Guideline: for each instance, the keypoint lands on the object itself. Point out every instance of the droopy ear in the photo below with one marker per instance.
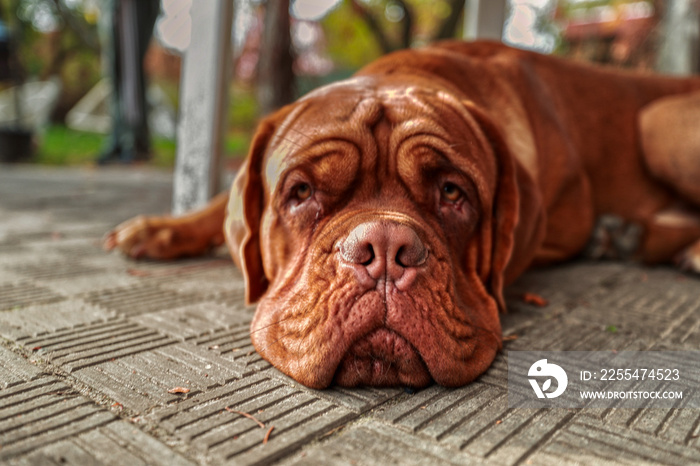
(506, 206)
(245, 209)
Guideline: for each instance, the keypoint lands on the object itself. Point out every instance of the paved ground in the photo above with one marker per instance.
(92, 345)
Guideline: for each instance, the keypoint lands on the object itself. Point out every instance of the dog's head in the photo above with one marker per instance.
(373, 221)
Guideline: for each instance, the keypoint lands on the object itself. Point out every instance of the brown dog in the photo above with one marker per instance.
(378, 219)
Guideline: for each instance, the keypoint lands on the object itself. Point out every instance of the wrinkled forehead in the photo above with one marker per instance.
(348, 111)
(348, 108)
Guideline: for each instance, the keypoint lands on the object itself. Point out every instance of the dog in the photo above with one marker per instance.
(377, 220)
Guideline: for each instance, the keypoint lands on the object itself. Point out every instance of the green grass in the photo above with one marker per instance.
(60, 145)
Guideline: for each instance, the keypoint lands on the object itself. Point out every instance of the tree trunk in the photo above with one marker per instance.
(275, 73)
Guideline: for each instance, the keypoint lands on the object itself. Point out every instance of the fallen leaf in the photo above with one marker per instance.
(535, 299)
(510, 337)
(118, 406)
(267, 435)
(498, 421)
(179, 390)
(249, 416)
(36, 348)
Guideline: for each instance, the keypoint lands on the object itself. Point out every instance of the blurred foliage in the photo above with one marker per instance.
(60, 37)
(351, 29)
(348, 39)
(55, 37)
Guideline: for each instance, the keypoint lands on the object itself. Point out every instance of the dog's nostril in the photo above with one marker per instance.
(370, 250)
(397, 259)
(411, 255)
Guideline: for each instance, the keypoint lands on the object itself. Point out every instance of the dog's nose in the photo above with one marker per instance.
(384, 249)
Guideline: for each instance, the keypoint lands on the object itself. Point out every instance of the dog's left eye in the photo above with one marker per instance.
(302, 191)
(450, 192)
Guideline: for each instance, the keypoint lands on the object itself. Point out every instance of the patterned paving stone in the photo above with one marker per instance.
(222, 434)
(114, 443)
(134, 300)
(44, 411)
(124, 333)
(372, 443)
(26, 322)
(22, 294)
(197, 322)
(608, 443)
(94, 343)
(233, 344)
(14, 369)
(143, 381)
(54, 270)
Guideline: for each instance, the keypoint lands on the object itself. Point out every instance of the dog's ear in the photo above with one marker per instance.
(504, 215)
(245, 210)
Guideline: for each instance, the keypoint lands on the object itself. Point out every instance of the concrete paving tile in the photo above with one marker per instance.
(372, 443)
(61, 269)
(221, 435)
(521, 436)
(132, 443)
(194, 363)
(215, 400)
(142, 381)
(91, 344)
(563, 284)
(555, 335)
(291, 430)
(28, 392)
(14, 369)
(471, 420)
(101, 280)
(133, 393)
(105, 318)
(25, 293)
(134, 300)
(63, 452)
(358, 400)
(24, 323)
(643, 299)
(588, 439)
(220, 276)
(213, 426)
(234, 345)
(32, 422)
(119, 439)
(196, 321)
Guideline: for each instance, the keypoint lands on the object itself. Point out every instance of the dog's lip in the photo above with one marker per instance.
(382, 357)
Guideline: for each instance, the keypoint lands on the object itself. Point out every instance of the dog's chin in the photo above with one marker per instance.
(382, 358)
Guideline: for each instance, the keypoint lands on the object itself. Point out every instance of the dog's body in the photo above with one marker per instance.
(378, 219)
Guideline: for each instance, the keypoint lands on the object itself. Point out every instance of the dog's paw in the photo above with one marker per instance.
(688, 260)
(151, 237)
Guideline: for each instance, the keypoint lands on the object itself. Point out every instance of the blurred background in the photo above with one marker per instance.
(57, 96)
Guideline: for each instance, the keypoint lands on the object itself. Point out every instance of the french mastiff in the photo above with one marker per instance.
(377, 220)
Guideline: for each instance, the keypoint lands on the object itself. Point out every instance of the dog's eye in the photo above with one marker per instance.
(450, 192)
(302, 191)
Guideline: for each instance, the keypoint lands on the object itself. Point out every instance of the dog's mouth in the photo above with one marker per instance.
(382, 358)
